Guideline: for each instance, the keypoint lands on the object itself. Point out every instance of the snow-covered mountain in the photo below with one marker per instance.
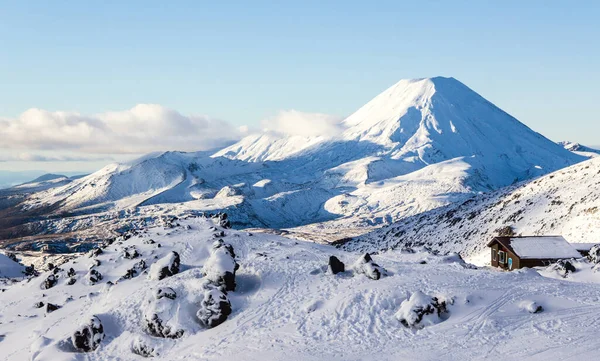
(580, 149)
(566, 202)
(419, 145)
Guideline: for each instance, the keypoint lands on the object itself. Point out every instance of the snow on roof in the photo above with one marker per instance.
(551, 247)
(583, 246)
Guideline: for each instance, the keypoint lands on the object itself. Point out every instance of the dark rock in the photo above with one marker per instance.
(167, 266)
(71, 272)
(130, 253)
(156, 327)
(143, 349)
(335, 265)
(30, 271)
(71, 281)
(94, 276)
(95, 252)
(13, 257)
(39, 304)
(51, 307)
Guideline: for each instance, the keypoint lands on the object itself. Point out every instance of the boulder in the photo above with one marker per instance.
(167, 292)
(94, 276)
(221, 266)
(594, 254)
(366, 266)
(214, 308)
(335, 265)
(165, 267)
(49, 282)
(88, 336)
(421, 310)
(51, 307)
(161, 316)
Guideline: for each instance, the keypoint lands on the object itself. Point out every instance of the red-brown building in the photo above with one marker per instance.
(511, 253)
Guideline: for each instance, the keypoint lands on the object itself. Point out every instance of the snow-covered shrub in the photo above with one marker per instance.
(71, 281)
(223, 220)
(594, 254)
(531, 307)
(71, 272)
(143, 347)
(563, 267)
(366, 266)
(221, 266)
(95, 252)
(130, 253)
(161, 318)
(30, 271)
(215, 306)
(94, 276)
(335, 265)
(421, 310)
(167, 292)
(134, 271)
(88, 336)
(39, 304)
(165, 267)
(49, 282)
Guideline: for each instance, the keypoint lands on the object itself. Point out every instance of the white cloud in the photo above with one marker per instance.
(141, 129)
(293, 122)
(29, 157)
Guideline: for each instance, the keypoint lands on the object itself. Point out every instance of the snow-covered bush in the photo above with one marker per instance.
(335, 265)
(130, 253)
(167, 292)
(215, 306)
(134, 271)
(95, 252)
(165, 267)
(594, 254)
(94, 276)
(161, 318)
(143, 347)
(88, 336)
(421, 310)
(49, 282)
(221, 266)
(366, 266)
(563, 267)
(71, 272)
(531, 307)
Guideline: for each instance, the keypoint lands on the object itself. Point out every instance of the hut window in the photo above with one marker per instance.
(501, 255)
(494, 255)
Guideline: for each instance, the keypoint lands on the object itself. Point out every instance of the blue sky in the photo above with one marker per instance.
(242, 61)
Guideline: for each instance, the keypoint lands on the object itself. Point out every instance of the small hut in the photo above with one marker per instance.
(511, 253)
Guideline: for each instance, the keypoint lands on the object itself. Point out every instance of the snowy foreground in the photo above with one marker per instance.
(288, 306)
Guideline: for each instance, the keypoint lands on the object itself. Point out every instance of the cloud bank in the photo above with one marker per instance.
(141, 129)
(293, 122)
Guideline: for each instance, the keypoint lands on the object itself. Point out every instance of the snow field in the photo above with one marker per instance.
(286, 306)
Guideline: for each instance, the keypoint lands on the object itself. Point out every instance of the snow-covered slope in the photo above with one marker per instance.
(566, 202)
(580, 149)
(288, 306)
(420, 144)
